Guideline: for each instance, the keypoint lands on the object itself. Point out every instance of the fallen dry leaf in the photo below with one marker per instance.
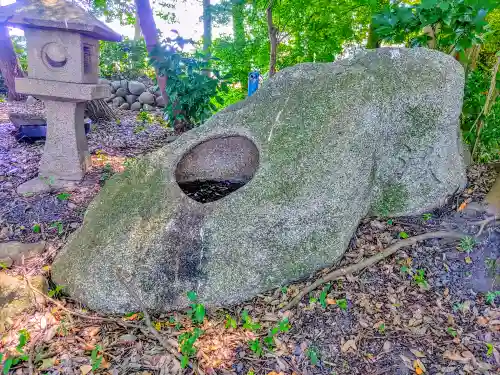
(458, 357)
(85, 369)
(417, 354)
(348, 345)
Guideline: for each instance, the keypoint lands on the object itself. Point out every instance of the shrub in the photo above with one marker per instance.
(190, 89)
(127, 59)
(476, 90)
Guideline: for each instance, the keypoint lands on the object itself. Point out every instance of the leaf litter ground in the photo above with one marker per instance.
(420, 311)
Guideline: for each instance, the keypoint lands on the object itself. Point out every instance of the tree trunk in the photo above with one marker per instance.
(490, 100)
(273, 39)
(148, 28)
(237, 16)
(372, 41)
(9, 65)
(137, 28)
(207, 27)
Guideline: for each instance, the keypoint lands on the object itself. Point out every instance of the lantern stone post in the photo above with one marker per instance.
(63, 66)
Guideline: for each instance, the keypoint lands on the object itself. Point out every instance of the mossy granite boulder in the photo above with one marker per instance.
(319, 147)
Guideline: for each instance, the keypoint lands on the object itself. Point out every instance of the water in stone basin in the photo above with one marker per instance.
(205, 191)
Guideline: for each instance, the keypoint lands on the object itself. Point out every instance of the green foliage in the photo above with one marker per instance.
(11, 361)
(19, 44)
(456, 24)
(36, 228)
(55, 292)
(489, 349)
(420, 279)
(313, 355)
(230, 322)
(476, 91)
(467, 244)
(324, 294)
(381, 328)
(490, 297)
(127, 59)
(248, 323)
(57, 225)
(63, 196)
(256, 347)
(452, 332)
(426, 217)
(342, 304)
(192, 85)
(107, 172)
(197, 310)
(96, 357)
(403, 235)
(186, 345)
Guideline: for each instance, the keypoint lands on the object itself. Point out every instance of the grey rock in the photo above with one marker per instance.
(147, 98)
(321, 145)
(136, 106)
(110, 98)
(131, 99)
(118, 101)
(148, 107)
(14, 252)
(125, 106)
(121, 92)
(104, 81)
(124, 84)
(160, 102)
(30, 100)
(136, 88)
(115, 85)
(171, 138)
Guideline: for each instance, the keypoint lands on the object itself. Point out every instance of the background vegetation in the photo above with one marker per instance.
(270, 35)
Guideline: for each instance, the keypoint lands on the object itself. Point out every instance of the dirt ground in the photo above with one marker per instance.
(429, 309)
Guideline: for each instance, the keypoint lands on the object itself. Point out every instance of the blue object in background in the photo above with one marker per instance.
(253, 82)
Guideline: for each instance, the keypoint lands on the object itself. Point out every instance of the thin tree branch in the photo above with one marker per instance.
(336, 274)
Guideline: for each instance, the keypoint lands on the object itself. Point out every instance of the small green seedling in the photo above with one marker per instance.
(452, 332)
(36, 228)
(313, 355)
(342, 304)
(3, 266)
(186, 345)
(56, 292)
(489, 349)
(59, 226)
(381, 328)
(230, 322)
(490, 297)
(419, 278)
(96, 357)
(256, 347)
(467, 244)
(390, 222)
(197, 311)
(284, 290)
(324, 294)
(426, 217)
(248, 323)
(403, 235)
(405, 269)
(63, 196)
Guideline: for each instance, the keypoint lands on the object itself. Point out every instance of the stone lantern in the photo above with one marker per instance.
(63, 60)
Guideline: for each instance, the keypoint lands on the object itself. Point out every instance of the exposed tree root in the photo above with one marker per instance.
(150, 331)
(336, 274)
